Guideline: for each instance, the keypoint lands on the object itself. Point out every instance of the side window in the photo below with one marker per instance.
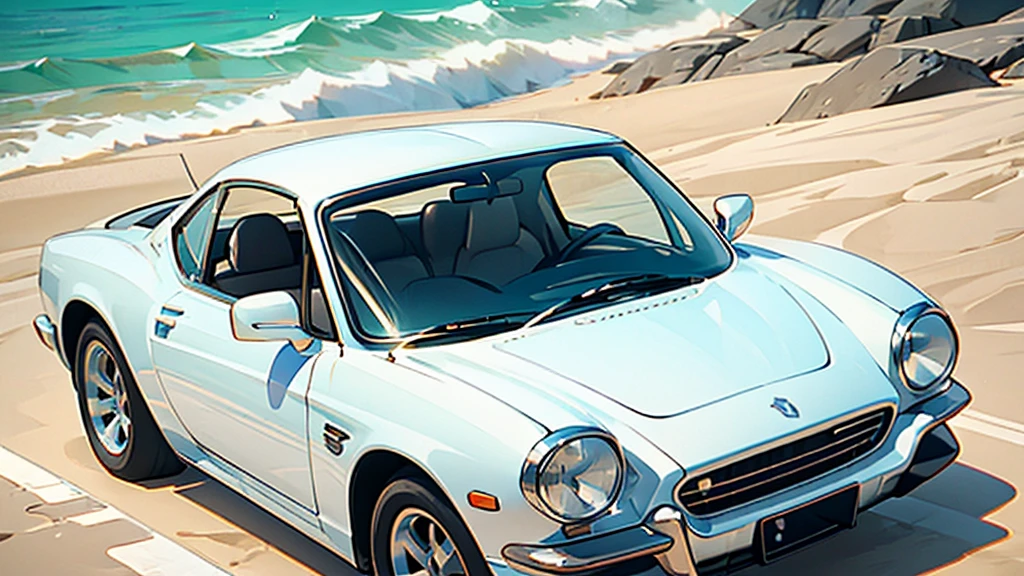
(597, 189)
(192, 239)
(246, 200)
(255, 243)
(262, 250)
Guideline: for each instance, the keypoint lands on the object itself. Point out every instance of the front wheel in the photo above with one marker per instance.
(415, 531)
(121, 431)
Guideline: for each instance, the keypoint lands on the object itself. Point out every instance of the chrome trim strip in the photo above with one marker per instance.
(899, 335)
(589, 554)
(529, 479)
(678, 559)
(805, 466)
(783, 463)
(807, 432)
(857, 422)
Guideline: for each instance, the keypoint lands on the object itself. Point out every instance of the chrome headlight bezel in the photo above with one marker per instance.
(543, 452)
(900, 334)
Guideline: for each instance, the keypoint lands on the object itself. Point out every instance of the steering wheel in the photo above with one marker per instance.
(577, 243)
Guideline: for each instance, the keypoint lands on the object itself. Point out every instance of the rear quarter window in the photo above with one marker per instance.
(191, 241)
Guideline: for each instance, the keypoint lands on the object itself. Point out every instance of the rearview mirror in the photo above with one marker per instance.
(735, 212)
(475, 192)
(268, 317)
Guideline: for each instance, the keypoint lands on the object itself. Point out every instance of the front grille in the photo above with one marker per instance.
(775, 470)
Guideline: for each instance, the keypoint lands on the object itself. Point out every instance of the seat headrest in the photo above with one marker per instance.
(494, 225)
(259, 242)
(443, 227)
(376, 234)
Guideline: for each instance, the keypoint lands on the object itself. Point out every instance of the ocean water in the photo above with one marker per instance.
(79, 77)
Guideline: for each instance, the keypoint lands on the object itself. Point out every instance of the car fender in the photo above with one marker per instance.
(865, 296)
(111, 272)
(461, 437)
(870, 278)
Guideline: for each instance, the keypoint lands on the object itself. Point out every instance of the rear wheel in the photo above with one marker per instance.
(416, 532)
(121, 431)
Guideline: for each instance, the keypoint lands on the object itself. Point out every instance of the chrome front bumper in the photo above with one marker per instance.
(46, 331)
(919, 446)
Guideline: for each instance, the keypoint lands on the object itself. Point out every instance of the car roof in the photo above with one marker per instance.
(316, 169)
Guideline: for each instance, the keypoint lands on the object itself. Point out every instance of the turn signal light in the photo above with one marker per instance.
(483, 501)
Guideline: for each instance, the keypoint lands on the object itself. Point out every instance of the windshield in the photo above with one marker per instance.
(511, 238)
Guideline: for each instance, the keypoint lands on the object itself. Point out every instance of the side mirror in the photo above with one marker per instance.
(735, 213)
(267, 317)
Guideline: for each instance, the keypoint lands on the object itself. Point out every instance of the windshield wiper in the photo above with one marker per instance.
(471, 324)
(618, 289)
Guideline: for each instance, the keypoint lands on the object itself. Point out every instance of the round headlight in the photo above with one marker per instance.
(925, 347)
(574, 474)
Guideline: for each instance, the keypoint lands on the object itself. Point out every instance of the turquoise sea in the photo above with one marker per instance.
(84, 76)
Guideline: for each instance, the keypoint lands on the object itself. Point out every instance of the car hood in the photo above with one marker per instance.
(676, 352)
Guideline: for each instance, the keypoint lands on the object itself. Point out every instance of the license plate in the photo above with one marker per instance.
(809, 523)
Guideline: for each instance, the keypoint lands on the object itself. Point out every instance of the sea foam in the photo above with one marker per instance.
(470, 74)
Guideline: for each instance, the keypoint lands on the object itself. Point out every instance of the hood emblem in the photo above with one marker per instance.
(786, 408)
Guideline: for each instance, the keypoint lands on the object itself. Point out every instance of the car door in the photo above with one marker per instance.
(243, 401)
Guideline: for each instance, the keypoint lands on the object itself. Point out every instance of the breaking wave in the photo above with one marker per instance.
(324, 67)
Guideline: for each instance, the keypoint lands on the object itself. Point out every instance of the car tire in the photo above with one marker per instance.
(406, 509)
(132, 448)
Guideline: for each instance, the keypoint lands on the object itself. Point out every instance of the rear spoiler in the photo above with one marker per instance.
(147, 216)
(150, 215)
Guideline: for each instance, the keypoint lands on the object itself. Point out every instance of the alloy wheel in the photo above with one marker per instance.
(106, 399)
(420, 546)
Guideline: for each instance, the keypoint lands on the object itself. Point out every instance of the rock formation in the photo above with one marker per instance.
(885, 76)
(896, 50)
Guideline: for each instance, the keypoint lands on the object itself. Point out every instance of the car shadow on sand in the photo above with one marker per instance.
(938, 524)
(222, 501)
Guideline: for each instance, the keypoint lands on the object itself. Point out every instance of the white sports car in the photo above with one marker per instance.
(500, 348)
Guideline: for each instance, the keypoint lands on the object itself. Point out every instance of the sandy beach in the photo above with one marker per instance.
(931, 189)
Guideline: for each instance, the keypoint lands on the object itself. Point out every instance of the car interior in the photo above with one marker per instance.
(486, 241)
(512, 236)
(261, 257)
(261, 253)
(473, 240)
(490, 241)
